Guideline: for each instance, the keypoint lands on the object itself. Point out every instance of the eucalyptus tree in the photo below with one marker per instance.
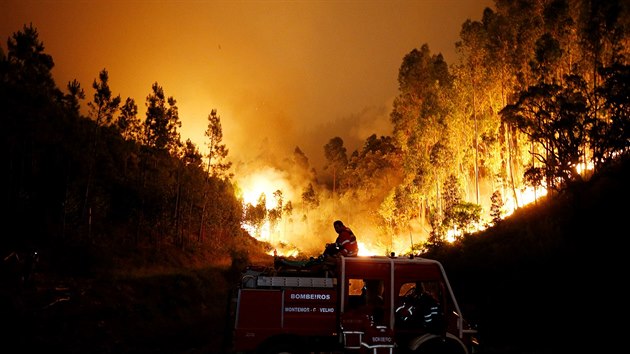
(288, 210)
(300, 159)
(300, 166)
(560, 18)
(501, 63)
(496, 207)
(255, 215)
(603, 37)
(370, 176)
(501, 49)
(553, 117)
(275, 213)
(310, 200)
(473, 35)
(611, 138)
(396, 212)
(451, 197)
(336, 160)
(374, 169)
(420, 117)
(602, 27)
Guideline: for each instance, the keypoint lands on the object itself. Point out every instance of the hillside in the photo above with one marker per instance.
(549, 277)
(147, 302)
(536, 283)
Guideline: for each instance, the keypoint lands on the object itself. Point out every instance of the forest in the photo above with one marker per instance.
(538, 100)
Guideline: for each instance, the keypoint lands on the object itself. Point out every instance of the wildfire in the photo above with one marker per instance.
(365, 250)
(260, 183)
(263, 183)
(275, 188)
(525, 196)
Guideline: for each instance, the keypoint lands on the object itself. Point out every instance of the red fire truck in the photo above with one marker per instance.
(354, 305)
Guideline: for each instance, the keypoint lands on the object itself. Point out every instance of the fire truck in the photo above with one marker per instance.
(360, 305)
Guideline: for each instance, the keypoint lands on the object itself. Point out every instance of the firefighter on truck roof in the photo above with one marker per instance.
(346, 242)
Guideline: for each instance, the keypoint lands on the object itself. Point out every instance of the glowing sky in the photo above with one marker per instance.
(291, 73)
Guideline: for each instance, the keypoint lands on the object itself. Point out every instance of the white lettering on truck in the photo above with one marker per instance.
(308, 309)
(310, 296)
(297, 309)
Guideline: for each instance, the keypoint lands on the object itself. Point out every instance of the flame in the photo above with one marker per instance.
(369, 250)
(268, 181)
(265, 182)
(284, 251)
(525, 196)
(259, 183)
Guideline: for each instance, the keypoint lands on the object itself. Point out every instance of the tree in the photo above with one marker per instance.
(496, 207)
(73, 98)
(216, 150)
(373, 170)
(275, 214)
(128, 123)
(32, 138)
(217, 166)
(288, 212)
(104, 106)
(255, 215)
(102, 110)
(162, 121)
(300, 159)
(310, 199)
(473, 36)
(611, 136)
(459, 216)
(336, 158)
(420, 118)
(553, 117)
(29, 67)
(300, 166)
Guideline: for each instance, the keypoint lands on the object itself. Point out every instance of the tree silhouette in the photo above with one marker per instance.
(162, 121)
(336, 159)
(217, 152)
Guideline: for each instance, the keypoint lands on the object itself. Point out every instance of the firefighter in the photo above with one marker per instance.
(346, 242)
(372, 294)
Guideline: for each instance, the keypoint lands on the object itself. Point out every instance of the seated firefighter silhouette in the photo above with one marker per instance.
(345, 245)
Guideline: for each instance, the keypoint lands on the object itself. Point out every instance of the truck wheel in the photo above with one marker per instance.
(433, 344)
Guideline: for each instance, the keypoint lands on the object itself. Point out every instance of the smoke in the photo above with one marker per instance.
(262, 135)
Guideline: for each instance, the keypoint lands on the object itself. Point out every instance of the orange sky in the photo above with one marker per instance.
(291, 73)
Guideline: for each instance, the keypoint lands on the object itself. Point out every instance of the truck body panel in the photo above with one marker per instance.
(358, 305)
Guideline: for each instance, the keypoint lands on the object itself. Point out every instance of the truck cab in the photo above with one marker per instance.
(355, 305)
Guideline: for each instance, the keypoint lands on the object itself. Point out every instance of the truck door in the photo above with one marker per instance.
(367, 289)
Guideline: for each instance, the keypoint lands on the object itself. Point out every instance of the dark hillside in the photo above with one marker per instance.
(146, 302)
(549, 277)
(545, 280)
